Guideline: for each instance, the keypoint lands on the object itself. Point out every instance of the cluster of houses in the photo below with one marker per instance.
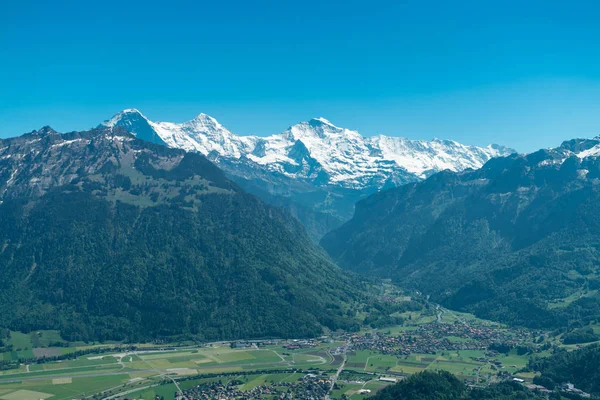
(433, 337)
(254, 344)
(570, 388)
(287, 344)
(309, 387)
(301, 344)
(566, 388)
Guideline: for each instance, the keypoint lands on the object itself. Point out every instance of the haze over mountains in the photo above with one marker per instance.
(314, 168)
(500, 241)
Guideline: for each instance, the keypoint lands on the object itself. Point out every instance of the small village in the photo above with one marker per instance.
(433, 337)
(310, 387)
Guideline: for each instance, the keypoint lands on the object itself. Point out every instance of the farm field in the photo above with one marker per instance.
(144, 371)
(353, 390)
(59, 389)
(147, 369)
(461, 363)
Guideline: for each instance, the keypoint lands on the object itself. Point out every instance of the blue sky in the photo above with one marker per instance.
(525, 74)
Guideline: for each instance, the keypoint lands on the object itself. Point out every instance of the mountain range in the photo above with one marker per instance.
(314, 168)
(516, 241)
(105, 236)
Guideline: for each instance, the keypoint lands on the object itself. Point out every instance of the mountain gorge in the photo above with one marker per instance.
(314, 168)
(105, 236)
(516, 241)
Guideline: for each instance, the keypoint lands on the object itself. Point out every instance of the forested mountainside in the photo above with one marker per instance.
(501, 241)
(580, 367)
(316, 223)
(320, 168)
(319, 209)
(105, 236)
(442, 385)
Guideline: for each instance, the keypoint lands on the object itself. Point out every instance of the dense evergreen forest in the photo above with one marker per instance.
(104, 236)
(500, 242)
(580, 367)
(442, 385)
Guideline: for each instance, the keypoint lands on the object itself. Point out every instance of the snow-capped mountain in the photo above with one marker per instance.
(316, 170)
(316, 151)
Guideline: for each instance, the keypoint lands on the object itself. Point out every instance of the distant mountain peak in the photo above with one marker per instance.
(205, 121)
(131, 111)
(322, 129)
(204, 116)
(133, 121)
(446, 141)
(330, 155)
(321, 120)
(127, 114)
(45, 130)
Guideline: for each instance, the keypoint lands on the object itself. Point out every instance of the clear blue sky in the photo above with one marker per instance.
(521, 73)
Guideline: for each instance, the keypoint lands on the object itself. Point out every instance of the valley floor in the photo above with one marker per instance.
(338, 365)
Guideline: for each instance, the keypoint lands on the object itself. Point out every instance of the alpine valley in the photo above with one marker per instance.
(131, 269)
(349, 220)
(315, 169)
(516, 241)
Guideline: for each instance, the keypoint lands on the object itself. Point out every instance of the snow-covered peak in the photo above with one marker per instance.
(132, 120)
(127, 114)
(206, 124)
(321, 120)
(423, 158)
(131, 111)
(317, 150)
(320, 128)
(202, 133)
(205, 120)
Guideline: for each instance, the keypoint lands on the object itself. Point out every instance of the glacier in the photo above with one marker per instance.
(315, 151)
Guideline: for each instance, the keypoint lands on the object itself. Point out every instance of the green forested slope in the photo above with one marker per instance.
(442, 385)
(580, 367)
(502, 241)
(104, 236)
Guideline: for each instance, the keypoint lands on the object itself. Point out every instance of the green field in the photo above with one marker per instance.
(147, 372)
(459, 362)
(59, 391)
(352, 389)
(147, 369)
